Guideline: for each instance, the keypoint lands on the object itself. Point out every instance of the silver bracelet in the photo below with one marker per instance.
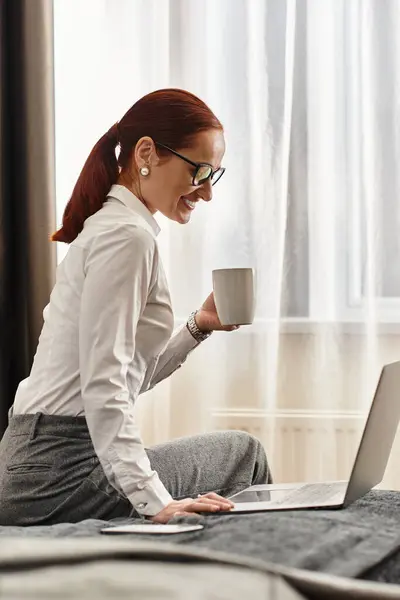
(196, 333)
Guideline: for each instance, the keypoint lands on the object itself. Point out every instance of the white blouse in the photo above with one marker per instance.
(107, 338)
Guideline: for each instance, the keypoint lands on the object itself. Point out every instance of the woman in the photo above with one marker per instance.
(72, 449)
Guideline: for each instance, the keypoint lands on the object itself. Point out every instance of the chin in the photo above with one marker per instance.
(183, 219)
(182, 216)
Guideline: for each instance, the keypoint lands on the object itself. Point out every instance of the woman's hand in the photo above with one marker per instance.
(207, 317)
(208, 503)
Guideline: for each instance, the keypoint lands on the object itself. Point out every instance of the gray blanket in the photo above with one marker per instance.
(89, 568)
(309, 549)
(351, 543)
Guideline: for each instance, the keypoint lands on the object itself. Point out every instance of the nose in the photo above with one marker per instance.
(206, 191)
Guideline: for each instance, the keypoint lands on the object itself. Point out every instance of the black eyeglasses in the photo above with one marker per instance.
(203, 172)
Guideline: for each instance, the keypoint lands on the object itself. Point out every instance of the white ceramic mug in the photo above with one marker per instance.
(234, 295)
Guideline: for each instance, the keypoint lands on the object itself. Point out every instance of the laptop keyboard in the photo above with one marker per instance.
(312, 493)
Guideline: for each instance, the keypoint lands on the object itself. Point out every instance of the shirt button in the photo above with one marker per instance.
(142, 505)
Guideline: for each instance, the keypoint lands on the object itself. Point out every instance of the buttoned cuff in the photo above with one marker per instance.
(151, 499)
(184, 342)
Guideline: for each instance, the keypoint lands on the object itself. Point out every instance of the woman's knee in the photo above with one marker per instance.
(240, 451)
(253, 452)
(246, 440)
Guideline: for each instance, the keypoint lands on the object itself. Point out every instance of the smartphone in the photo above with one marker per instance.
(152, 528)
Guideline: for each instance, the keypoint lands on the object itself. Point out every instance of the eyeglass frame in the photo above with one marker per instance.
(194, 164)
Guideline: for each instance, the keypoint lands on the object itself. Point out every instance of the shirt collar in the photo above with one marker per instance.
(125, 196)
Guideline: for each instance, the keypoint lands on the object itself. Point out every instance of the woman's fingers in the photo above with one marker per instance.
(215, 503)
(204, 507)
(209, 502)
(221, 499)
(207, 505)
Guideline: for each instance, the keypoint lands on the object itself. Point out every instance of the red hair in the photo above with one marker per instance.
(170, 116)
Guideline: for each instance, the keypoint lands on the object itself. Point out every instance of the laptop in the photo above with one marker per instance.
(368, 468)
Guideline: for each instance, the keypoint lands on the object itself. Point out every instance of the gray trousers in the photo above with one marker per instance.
(50, 473)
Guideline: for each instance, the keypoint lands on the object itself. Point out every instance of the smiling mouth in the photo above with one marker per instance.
(189, 203)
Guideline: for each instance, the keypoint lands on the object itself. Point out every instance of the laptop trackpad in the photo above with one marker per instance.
(260, 495)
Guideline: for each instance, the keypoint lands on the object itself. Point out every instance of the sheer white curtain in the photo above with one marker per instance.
(308, 92)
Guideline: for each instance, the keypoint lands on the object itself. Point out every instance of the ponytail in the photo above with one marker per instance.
(99, 173)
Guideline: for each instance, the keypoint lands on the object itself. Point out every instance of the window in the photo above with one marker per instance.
(307, 93)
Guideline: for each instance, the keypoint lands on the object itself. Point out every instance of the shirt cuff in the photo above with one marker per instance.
(183, 341)
(151, 499)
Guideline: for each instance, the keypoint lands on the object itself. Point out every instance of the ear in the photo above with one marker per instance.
(145, 153)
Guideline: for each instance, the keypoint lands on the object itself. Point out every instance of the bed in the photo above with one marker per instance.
(351, 553)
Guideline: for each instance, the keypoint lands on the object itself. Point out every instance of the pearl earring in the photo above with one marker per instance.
(144, 171)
